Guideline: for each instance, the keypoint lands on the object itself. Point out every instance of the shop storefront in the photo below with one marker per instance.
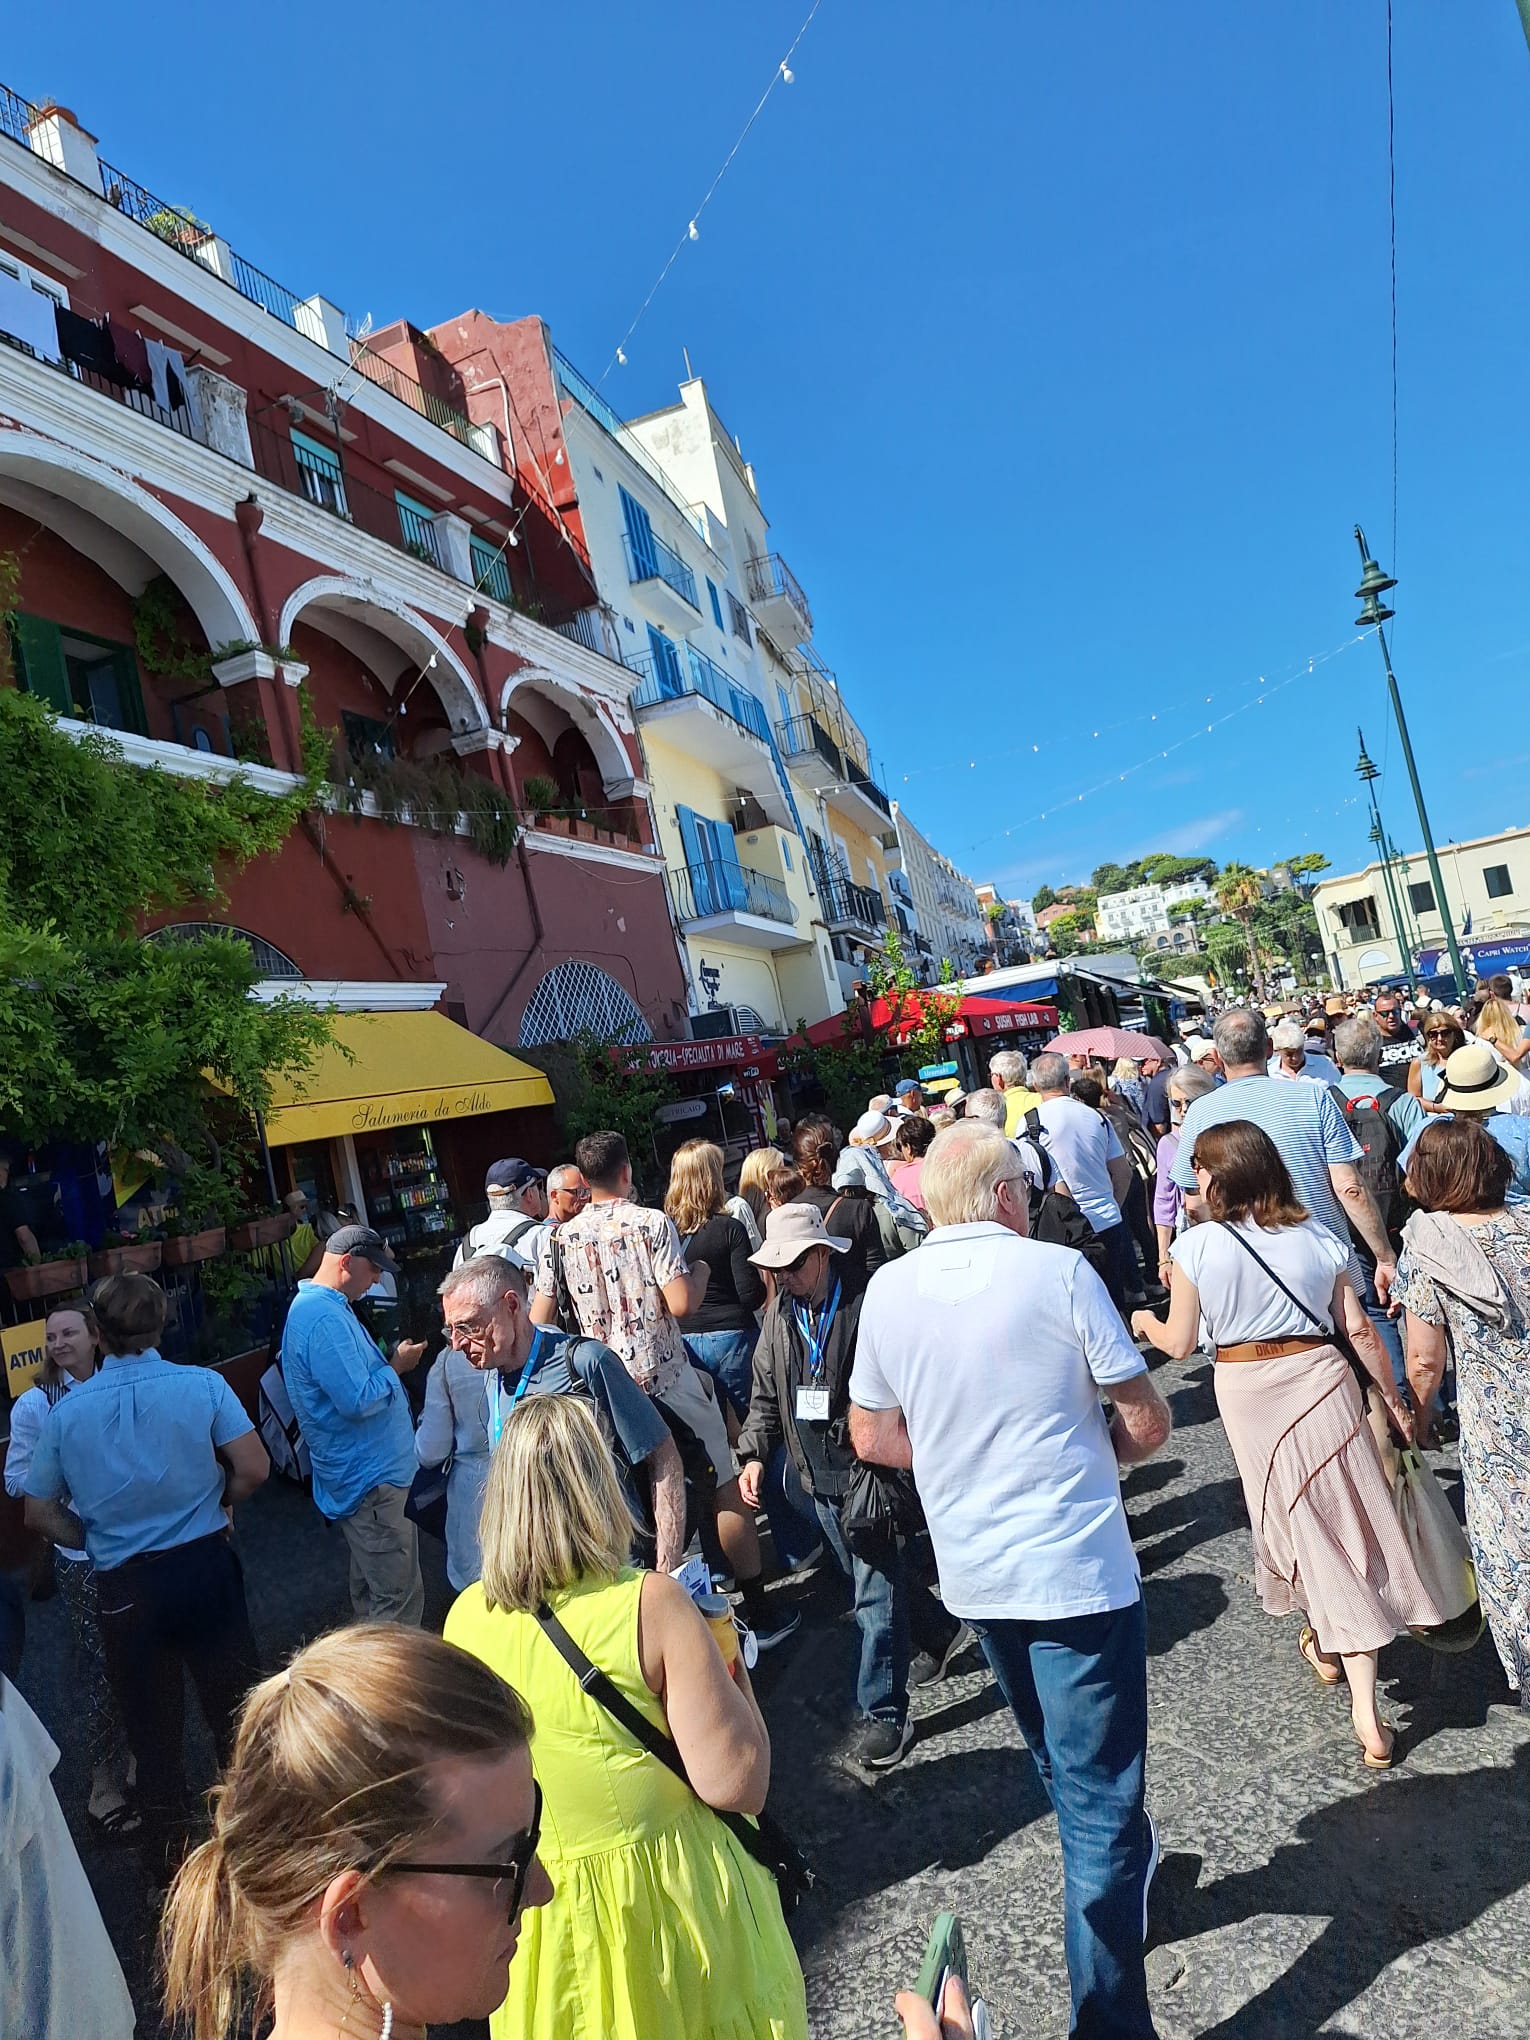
(727, 1092)
(983, 1026)
(396, 1123)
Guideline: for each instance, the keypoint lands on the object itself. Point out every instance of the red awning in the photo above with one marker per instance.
(898, 1018)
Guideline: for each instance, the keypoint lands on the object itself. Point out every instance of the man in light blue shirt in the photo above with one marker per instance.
(152, 1458)
(1318, 1149)
(1091, 1162)
(351, 1407)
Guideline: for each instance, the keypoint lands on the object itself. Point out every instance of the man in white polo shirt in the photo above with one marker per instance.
(980, 1363)
(1087, 1154)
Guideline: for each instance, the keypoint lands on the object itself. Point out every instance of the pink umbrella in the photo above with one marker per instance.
(1109, 1043)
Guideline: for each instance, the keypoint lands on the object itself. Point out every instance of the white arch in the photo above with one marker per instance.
(418, 640)
(124, 506)
(611, 758)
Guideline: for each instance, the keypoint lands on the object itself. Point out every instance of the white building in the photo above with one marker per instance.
(1124, 916)
(1487, 878)
(950, 920)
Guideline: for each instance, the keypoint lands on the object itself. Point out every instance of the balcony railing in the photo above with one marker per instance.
(419, 533)
(771, 579)
(589, 399)
(657, 561)
(699, 890)
(863, 782)
(387, 377)
(586, 627)
(343, 496)
(698, 677)
(801, 734)
(181, 230)
(844, 900)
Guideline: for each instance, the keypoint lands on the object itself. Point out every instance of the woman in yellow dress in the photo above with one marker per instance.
(661, 1921)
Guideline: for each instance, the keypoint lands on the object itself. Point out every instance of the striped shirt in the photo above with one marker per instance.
(1305, 1125)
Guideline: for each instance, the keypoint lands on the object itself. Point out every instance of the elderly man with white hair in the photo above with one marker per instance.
(980, 1365)
(1295, 1058)
(1010, 1075)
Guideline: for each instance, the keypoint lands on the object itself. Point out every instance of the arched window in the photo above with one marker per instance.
(270, 961)
(576, 997)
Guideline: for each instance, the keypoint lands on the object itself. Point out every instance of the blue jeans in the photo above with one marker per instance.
(728, 1357)
(1078, 1689)
(894, 1615)
(1388, 1330)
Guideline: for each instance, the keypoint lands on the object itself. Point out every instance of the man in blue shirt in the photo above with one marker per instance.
(1307, 1127)
(485, 1304)
(351, 1407)
(142, 1465)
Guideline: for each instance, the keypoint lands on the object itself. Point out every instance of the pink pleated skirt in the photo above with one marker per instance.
(1326, 1536)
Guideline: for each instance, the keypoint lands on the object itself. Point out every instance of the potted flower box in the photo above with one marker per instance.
(262, 1232)
(184, 1248)
(47, 1278)
(585, 831)
(119, 1256)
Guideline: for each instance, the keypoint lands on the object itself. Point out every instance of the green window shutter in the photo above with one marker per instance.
(43, 671)
(129, 693)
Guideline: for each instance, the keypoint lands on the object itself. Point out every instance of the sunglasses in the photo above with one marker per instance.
(514, 1871)
(1439, 1033)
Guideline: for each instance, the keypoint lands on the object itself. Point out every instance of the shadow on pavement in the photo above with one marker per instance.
(1178, 1607)
(1392, 1868)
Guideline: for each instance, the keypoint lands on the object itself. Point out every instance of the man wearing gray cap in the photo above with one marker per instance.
(517, 1204)
(350, 1404)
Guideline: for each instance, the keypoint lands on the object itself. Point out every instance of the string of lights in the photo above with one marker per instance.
(781, 75)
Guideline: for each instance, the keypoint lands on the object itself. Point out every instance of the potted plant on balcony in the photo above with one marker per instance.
(541, 797)
(197, 1230)
(65, 1269)
(121, 1253)
(262, 1228)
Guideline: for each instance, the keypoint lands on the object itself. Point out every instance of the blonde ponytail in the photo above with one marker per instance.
(329, 1773)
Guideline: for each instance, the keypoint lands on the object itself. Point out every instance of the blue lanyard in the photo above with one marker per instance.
(496, 1405)
(817, 1338)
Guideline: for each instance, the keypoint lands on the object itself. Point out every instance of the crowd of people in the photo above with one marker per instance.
(917, 1353)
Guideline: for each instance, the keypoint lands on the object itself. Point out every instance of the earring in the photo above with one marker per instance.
(347, 1959)
(387, 2024)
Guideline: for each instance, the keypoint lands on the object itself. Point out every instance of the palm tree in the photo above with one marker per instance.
(1239, 890)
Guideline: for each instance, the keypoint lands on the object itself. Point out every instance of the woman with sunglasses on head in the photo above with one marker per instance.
(661, 1920)
(1442, 1037)
(1273, 1288)
(373, 1850)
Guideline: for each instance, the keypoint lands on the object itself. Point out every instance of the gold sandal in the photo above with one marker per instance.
(1324, 1678)
(1378, 1763)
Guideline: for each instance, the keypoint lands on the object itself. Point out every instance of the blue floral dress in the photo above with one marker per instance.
(1493, 1401)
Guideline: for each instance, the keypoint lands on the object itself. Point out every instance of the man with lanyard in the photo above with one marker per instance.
(800, 1398)
(484, 1303)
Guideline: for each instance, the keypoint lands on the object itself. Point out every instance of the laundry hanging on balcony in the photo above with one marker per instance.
(27, 315)
(172, 389)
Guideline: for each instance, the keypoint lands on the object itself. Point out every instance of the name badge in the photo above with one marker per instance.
(812, 1406)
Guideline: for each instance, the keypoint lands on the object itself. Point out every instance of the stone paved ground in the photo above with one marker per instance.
(1299, 1894)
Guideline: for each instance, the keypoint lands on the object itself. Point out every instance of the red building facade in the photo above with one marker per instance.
(195, 461)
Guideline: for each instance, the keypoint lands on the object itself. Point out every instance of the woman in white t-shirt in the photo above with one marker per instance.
(1326, 1536)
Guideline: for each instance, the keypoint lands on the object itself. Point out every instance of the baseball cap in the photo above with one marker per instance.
(513, 1174)
(363, 1240)
(906, 1086)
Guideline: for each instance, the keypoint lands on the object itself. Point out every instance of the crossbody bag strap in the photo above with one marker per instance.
(1249, 1248)
(605, 1693)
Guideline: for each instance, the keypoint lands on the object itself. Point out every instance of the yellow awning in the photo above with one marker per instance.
(408, 1068)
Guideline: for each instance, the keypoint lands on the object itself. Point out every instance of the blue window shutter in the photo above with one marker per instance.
(695, 844)
(666, 663)
(716, 605)
(786, 854)
(645, 561)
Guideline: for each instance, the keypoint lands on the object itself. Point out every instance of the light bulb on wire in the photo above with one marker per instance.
(788, 75)
(693, 231)
(621, 358)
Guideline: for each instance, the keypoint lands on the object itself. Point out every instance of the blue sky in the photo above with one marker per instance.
(1058, 335)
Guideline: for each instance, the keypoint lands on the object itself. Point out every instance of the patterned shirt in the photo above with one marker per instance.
(617, 1258)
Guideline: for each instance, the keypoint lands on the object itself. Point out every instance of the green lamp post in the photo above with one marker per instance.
(1374, 612)
(1368, 772)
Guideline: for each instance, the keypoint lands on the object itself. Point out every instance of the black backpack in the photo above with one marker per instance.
(1368, 1118)
(1055, 1217)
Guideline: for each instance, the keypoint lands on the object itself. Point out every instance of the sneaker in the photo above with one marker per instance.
(775, 1627)
(1152, 1869)
(927, 1669)
(883, 1744)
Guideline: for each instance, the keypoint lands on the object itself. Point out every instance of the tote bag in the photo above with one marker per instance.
(1440, 1552)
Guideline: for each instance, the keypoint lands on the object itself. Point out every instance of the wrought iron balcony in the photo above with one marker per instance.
(862, 783)
(655, 561)
(701, 891)
(848, 905)
(807, 746)
(691, 673)
(778, 599)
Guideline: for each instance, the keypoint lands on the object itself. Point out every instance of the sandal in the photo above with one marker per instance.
(1378, 1763)
(117, 1824)
(1325, 1677)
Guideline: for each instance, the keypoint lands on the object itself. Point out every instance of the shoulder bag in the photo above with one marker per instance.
(1372, 1400)
(426, 1503)
(767, 1842)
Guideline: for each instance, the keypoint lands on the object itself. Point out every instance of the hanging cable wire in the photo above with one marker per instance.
(781, 75)
(1392, 218)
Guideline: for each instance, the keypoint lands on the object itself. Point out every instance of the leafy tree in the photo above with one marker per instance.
(1064, 934)
(1042, 898)
(1287, 926)
(104, 1035)
(602, 1086)
(1308, 865)
(1113, 878)
(1227, 947)
(892, 977)
(1239, 892)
